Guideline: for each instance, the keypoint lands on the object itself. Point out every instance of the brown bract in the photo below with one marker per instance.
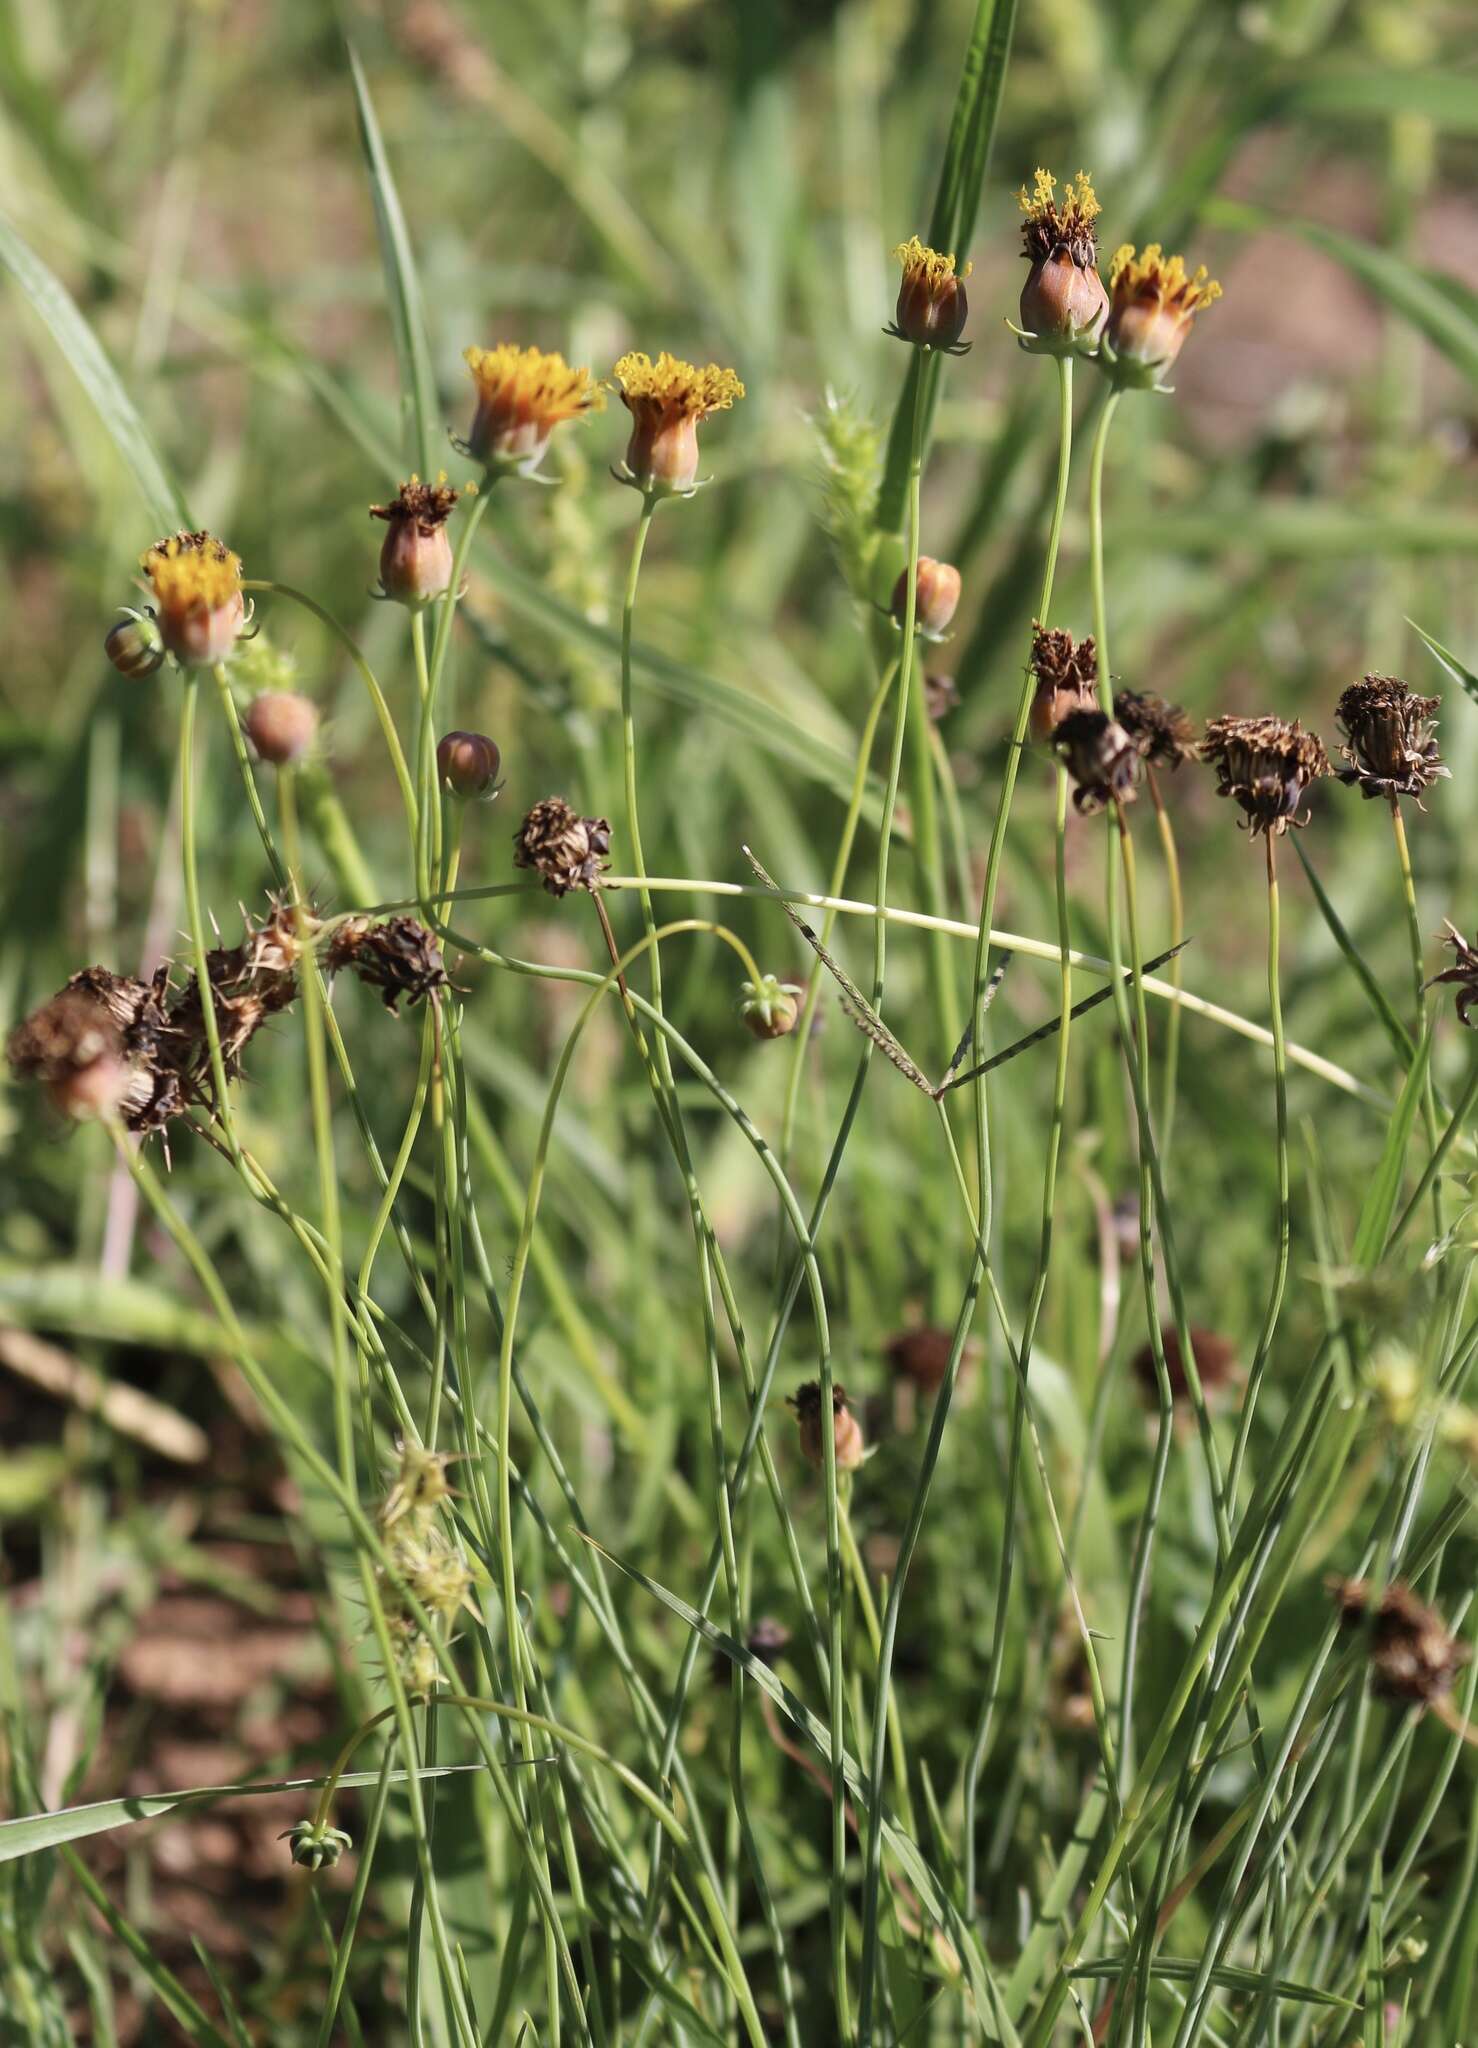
(1412, 1655)
(399, 957)
(1162, 733)
(1389, 738)
(1099, 756)
(566, 850)
(1066, 675)
(1266, 765)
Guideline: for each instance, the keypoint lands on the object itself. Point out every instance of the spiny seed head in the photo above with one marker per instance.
(399, 957)
(418, 1489)
(932, 306)
(846, 1430)
(1100, 757)
(1266, 765)
(1163, 734)
(1412, 1656)
(568, 851)
(1390, 741)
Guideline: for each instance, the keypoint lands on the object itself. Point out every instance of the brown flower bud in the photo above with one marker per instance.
(770, 1008)
(281, 726)
(932, 307)
(467, 764)
(416, 558)
(846, 1430)
(936, 601)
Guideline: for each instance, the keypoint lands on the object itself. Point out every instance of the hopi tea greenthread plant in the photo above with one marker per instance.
(693, 1820)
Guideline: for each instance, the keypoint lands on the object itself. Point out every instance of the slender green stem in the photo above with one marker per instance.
(1283, 1224)
(1170, 1073)
(199, 950)
(985, 937)
(628, 760)
(1095, 554)
(1414, 932)
(248, 778)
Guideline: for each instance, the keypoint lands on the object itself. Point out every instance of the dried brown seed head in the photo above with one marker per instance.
(1266, 764)
(1162, 733)
(1216, 1364)
(1389, 738)
(568, 851)
(1412, 1656)
(1066, 673)
(1099, 756)
(399, 957)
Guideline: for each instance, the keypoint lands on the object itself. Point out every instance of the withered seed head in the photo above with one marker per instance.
(1266, 764)
(1099, 756)
(399, 957)
(921, 1356)
(1389, 738)
(568, 851)
(846, 1430)
(1412, 1655)
(1067, 678)
(1216, 1364)
(1162, 733)
(1463, 974)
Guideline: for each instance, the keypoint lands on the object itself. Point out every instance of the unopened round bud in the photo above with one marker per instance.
(938, 595)
(467, 764)
(770, 1008)
(1063, 305)
(135, 646)
(281, 725)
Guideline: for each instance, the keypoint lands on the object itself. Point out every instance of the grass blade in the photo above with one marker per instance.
(1380, 1197)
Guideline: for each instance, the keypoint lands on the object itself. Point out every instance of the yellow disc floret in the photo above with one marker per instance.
(192, 571)
(1152, 273)
(675, 387)
(922, 264)
(539, 386)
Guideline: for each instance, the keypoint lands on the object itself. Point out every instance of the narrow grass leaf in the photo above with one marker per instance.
(1381, 1196)
(407, 311)
(84, 352)
(1380, 1002)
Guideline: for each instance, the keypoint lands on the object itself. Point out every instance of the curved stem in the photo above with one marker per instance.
(1095, 553)
(200, 952)
(1177, 932)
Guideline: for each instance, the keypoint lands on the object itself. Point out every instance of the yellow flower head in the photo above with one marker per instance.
(675, 388)
(932, 306)
(192, 569)
(667, 401)
(196, 581)
(522, 396)
(1052, 224)
(1153, 300)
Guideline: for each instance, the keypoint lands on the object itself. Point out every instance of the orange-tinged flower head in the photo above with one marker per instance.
(668, 400)
(1063, 302)
(523, 394)
(1153, 299)
(196, 582)
(932, 306)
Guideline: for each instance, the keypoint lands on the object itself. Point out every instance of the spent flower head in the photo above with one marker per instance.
(1389, 745)
(198, 600)
(1463, 973)
(1266, 765)
(1100, 757)
(1063, 302)
(416, 557)
(566, 850)
(523, 394)
(932, 306)
(1066, 673)
(1413, 1658)
(770, 1008)
(1153, 299)
(1162, 733)
(668, 401)
(847, 1439)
